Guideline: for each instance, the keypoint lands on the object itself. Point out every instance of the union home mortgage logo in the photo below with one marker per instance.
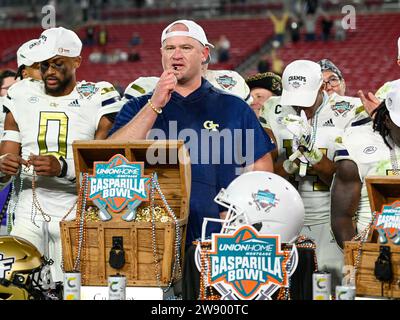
(247, 262)
(388, 222)
(118, 182)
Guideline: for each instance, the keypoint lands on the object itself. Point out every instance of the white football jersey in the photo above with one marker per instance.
(372, 156)
(49, 125)
(139, 87)
(334, 114)
(388, 86)
(229, 81)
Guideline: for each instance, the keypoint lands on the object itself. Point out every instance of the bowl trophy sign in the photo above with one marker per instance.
(246, 265)
(118, 184)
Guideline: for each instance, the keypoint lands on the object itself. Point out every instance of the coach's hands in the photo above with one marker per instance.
(45, 165)
(164, 88)
(10, 164)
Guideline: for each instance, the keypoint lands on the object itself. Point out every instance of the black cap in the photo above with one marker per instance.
(267, 80)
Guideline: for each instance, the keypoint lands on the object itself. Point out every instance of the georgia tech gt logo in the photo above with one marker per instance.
(210, 125)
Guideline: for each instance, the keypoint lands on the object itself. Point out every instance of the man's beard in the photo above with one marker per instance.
(59, 90)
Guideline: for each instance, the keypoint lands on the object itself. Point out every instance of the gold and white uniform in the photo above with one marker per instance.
(49, 125)
(372, 156)
(330, 119)
(230, 81)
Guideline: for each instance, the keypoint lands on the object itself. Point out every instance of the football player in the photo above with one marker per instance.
(43, 119)
(305, 148)
(364, 151)
(26, 67)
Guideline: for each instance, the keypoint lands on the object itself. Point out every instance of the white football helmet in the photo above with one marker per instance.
(264, 200)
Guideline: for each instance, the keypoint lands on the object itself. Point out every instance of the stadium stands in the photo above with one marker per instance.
(366, 57)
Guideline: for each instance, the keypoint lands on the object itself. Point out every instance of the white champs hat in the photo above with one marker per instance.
(194, 31)
(393, 105)
(23, 54)
(56, 41)
(301, 81)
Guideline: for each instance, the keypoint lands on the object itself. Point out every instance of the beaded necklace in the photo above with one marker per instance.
(393, 160)
(176, 268)
(14, 200)
(81, 233)
(284, 292)
(362, 238)
(207, 291)
(36, 204)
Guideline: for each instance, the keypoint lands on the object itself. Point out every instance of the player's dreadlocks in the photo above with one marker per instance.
(381, 113)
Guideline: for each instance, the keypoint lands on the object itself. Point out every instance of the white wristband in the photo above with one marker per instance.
(11, 135)
(71, 170)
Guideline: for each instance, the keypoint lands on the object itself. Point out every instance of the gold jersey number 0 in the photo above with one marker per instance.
(60, 119)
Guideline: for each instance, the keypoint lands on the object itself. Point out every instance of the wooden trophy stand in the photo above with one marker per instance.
(174, 176)
(381, 191)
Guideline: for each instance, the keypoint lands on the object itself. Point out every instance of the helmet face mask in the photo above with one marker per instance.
(263, 200)
(23, 278)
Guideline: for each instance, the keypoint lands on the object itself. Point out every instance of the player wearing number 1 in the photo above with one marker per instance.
(304, 122)
(43, 119)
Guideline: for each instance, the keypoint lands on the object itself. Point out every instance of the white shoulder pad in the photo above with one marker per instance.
(140, 86)
(229, 81)
(267, 109)
(388, 86)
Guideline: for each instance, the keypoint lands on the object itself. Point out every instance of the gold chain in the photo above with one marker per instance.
(393, 160)
(35, 200)
(362, 237)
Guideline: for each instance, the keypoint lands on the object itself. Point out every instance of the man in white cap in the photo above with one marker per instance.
(371, 101)
(26, 67)
(43, 119)
(364, 151)
(184, 105)
(304, 123)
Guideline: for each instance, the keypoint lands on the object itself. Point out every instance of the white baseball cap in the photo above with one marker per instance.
(55, 41)
(23, 54)
(393, 105)
(301, 81)
(194, 31)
